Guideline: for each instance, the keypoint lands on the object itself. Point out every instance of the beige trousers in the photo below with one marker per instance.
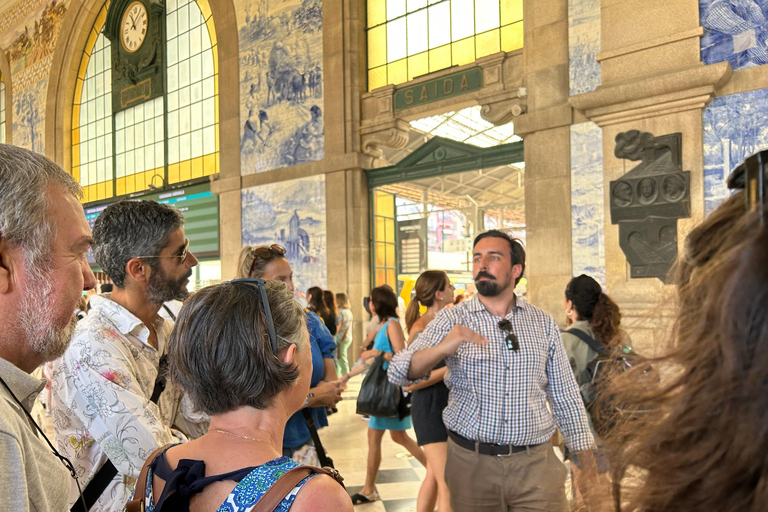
(533, 480)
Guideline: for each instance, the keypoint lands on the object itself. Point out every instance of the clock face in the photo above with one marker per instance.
(133, 28)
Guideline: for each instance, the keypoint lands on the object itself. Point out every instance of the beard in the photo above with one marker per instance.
(38, 323)
(161, 289)
(490, 287)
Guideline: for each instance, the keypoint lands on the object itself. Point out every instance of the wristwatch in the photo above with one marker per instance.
(306, 401)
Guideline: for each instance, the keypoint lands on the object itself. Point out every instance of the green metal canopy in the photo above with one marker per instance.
(440, 156)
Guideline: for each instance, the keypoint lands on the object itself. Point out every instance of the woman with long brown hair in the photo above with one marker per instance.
(701, 443)
(333, 312)
(316, 304)
(434, 291)
(593, 321)
(344, 333)
(593, 313)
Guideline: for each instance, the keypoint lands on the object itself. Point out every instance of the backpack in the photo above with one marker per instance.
(603, 411)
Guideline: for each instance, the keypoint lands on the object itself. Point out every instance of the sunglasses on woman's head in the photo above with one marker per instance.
(266, 252)
(260, 285)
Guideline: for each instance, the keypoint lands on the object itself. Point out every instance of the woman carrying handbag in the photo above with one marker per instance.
(388, 341)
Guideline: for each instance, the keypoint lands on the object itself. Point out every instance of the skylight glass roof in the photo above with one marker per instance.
(467, 125)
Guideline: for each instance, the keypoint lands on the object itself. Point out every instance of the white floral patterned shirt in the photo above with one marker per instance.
(101, 406)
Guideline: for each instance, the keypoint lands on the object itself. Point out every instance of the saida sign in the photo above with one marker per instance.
(446, 86)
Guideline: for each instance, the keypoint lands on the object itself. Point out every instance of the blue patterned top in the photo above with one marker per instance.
(243, 497)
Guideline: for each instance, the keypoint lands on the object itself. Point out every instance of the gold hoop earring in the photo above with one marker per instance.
(568, 312)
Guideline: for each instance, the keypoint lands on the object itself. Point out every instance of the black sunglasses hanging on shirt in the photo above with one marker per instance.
(511, 339)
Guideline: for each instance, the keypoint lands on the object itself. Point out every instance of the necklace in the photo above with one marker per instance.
(237, 435)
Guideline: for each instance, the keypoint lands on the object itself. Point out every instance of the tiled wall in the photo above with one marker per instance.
(281, 83)
(584, 45)
(28, 34)
(587, 206)
(735, 127)
(587, 201)
(292, 214)
(734, 31)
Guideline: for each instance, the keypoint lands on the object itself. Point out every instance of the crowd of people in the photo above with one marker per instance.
(217, 406)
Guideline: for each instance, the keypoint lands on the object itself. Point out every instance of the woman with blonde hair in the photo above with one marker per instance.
(434, 291)
(344, 334)
(269, 262)
(701, 441)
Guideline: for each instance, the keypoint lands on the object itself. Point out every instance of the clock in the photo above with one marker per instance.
(133, 27)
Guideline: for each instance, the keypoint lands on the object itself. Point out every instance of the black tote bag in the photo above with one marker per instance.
(378, 397)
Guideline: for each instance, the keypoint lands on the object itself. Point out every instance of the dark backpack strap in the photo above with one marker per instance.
(96, 487)
(285, 484)
(321, 456)
(170, 313)
(591, 342)
(162, 375)
(137, 503)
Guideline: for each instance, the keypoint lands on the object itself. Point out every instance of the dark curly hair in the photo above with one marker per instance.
(593, 305)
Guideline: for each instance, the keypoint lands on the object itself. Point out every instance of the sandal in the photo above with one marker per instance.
(359, 499)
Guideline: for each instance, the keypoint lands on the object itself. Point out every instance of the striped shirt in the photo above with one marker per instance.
(498, 395)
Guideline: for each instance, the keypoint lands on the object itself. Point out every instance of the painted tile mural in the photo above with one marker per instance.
(29, 30)
(292, 214)
(587, 201)
(281, 83)
(583, 45)
(735, 127)
(735, 31)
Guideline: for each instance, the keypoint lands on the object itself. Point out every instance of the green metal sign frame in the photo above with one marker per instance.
(447, 86)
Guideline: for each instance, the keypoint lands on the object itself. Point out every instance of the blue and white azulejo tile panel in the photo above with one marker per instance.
(735, 127)
(587, 201)
(583, 45)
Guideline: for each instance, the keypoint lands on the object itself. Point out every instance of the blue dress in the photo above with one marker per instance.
(381, 342)
(189, 478)
(323, 347)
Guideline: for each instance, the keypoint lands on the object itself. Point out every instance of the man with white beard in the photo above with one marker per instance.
(111, 405)
(43, 271)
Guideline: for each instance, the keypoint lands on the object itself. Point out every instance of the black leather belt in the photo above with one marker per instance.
(488, 448)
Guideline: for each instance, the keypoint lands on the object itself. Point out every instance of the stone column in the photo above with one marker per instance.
(652, 81)
(346, 194)
(545, 130)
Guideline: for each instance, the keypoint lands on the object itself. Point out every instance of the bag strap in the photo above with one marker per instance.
(271, 499)
(170, 313)
(96, 487)
(139, 494)
(591, 342)
(321, 456)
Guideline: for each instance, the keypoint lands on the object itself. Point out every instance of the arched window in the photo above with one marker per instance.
(169, 139)
(410, 38)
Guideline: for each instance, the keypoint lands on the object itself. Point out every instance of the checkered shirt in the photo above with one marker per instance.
(498, 395)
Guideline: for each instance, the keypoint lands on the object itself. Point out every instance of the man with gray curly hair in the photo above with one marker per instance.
(111, 405)
(43, 272)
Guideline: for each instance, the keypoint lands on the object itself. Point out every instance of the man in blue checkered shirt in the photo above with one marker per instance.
(505, 361)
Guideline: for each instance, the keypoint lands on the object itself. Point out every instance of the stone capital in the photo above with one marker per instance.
(503, 111)
(688, 89)
(392, 133)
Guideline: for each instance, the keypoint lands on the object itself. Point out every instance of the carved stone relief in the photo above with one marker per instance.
(647, 201)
